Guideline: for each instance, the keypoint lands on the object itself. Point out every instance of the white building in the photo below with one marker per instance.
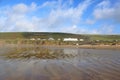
(32, 39)
(44, 39)
(70, 39)
(59, 39)
(38, 39)
(81, 40)
(51, 39)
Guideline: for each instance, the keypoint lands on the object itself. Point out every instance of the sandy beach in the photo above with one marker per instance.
(117, 47)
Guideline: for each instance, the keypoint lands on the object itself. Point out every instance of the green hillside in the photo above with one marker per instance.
(11, 35)
(105, 37)
(27, 35)
(46, 35)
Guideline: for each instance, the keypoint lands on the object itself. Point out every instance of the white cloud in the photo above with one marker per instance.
(89, 21)
(62, 15)
(104, 29)
(58, 17)
(23, 8)
(20, 8)
(107, 10)
(77, 29)
(15, 18)
(73, 29)
(104, 4)
(33, 6)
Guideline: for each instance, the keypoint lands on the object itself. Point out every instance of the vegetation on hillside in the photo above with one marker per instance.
(25, 38)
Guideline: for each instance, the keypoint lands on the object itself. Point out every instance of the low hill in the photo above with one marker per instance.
(46, 35)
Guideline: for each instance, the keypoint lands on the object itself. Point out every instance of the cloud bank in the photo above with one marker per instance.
(59, 16)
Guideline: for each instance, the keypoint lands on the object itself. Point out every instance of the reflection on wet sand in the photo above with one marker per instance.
(41, 63)
(39, 53)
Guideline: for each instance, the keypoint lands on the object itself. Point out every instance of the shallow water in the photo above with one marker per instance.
(49, 63)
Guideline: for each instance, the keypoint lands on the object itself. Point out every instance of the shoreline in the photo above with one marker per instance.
(111, 47)
(115, 47)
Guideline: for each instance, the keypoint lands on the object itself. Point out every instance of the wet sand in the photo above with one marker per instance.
(62, 63)
(111, 47)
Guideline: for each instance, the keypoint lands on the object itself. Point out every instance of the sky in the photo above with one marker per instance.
(69, 16)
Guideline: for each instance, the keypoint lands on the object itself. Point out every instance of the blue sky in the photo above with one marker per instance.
(71, 16)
